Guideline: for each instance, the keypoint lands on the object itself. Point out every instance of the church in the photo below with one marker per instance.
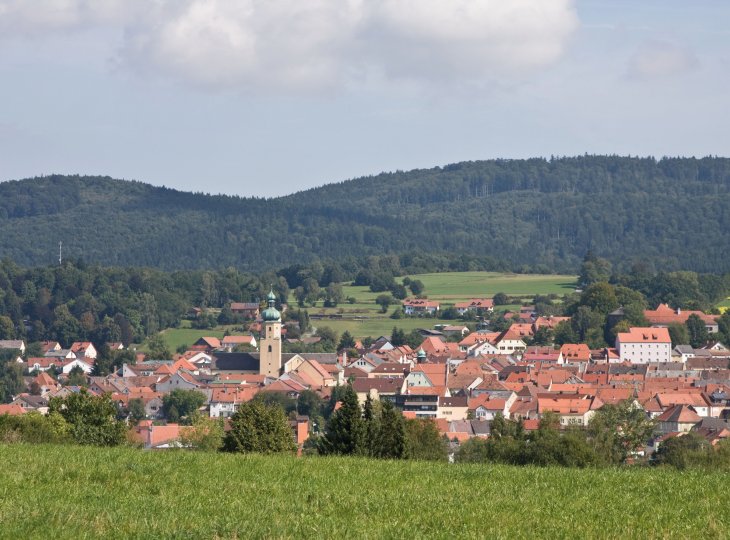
(269, 361)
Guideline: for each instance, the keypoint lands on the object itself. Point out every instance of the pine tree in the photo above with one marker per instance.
(371, 419)
(391, 442)
(345, 429)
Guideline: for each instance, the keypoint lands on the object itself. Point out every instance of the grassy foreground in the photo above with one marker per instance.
(75, 492)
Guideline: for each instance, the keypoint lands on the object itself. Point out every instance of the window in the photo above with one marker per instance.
(269, 348)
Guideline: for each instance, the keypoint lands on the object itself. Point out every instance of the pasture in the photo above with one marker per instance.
(363, 318)
(85, 492)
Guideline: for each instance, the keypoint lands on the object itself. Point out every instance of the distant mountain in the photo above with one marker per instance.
(671, 213)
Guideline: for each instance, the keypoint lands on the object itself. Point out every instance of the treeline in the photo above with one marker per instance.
(534, 215)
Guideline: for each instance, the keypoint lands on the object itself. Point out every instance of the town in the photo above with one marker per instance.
(463, 381)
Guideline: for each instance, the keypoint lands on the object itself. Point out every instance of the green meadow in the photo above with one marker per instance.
(85, 492)
(363, 318)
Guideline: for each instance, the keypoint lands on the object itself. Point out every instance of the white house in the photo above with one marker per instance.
(641, 345)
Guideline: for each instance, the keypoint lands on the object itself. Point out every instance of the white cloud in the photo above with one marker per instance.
(39, 17)
(658, 59)
(295, 45)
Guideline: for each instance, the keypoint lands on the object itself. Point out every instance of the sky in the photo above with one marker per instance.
(268, 97)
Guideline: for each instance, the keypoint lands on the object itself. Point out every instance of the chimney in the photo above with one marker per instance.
(679, 311)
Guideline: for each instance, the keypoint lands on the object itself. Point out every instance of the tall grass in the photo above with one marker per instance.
(78, 492)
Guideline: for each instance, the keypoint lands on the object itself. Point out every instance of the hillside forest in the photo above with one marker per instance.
(534, 215)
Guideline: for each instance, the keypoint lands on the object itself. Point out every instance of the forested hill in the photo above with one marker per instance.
(671, 213)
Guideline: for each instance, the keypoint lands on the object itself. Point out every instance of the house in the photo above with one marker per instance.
(641, 345)
(678, 419)
(87, 366)
(548, 322)
(423, 402)
(376, 388)
(509, 342)
(30, 402)
(486, 407)
(47, 346)
(572, 353)
(572, 409)
(18, 344)
(158, 436)
(480, 306)
(420, 306)
(179, 380)
(231, 342)
(84, 349)
(41, 363)
(207, 344)
(248, 310)
(12, 409)
(224, 402)
(455, 330)
(664, 315)
(453, 408)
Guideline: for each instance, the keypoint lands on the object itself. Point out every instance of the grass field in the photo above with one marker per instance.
(724, 305)
(447, 288)
(82, 492)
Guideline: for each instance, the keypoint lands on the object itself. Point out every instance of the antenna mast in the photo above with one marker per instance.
(60, 253)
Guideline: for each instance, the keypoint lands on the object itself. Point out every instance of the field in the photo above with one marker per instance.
(724, 305)
(81, 492)
(447, 288)
(363, 318)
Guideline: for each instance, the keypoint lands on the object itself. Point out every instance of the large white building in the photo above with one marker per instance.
(643, 345)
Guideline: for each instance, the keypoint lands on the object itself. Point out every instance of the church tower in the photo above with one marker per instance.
(270, 345)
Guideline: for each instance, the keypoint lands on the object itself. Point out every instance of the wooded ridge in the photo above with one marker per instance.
(536, 214)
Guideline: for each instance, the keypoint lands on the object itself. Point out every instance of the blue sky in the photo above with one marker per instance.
(264, 98)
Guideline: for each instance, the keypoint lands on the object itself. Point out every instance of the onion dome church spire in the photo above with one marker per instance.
(271, 314)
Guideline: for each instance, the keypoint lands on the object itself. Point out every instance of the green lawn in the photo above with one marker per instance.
(83, 492)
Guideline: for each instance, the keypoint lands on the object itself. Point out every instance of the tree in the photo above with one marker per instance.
(371, 421)
(679, 334)
(500, 299)
(328, 338)
(346, 341)
(697, 331)
(384, 301)
(564, 333)
(182, 404)
(280, 399)
(345, 430)
(157, 347)
(309, 403)
(619, 431)
(11, 380)
(334, 294)
(77, 377)
(424, 442)
(543, 336)
(682, 452)
(204, 433)
(398, 337)
(7, 328)
(136, 410)
(594, 269)
(600, 297)
(391, 435)
(92, 419)
(417, 287)
(257, 427)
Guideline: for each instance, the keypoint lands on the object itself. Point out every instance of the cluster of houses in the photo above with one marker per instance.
(461, 385)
